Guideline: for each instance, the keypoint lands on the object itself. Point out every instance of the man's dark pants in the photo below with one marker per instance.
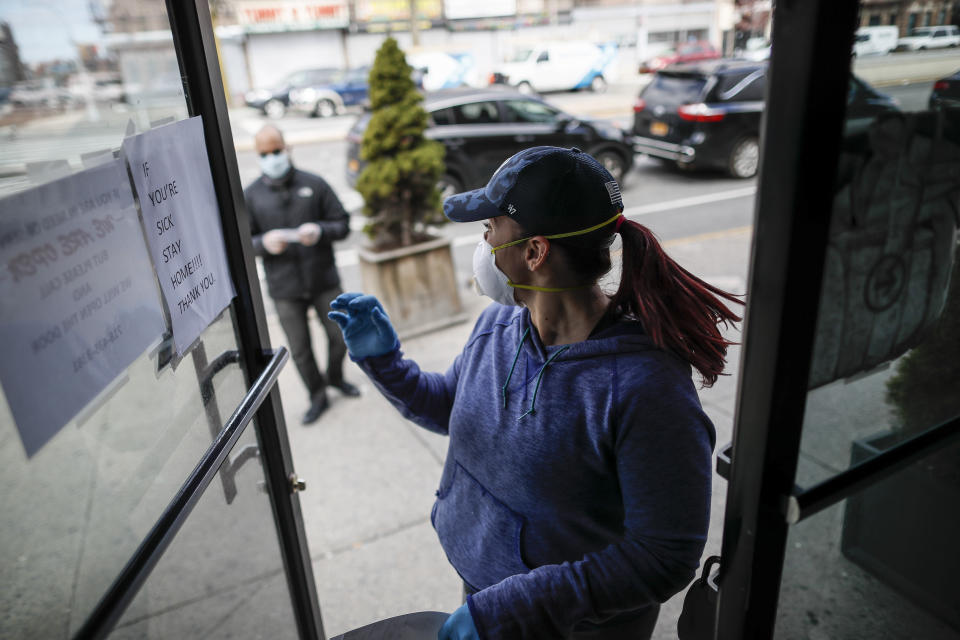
(293, 318)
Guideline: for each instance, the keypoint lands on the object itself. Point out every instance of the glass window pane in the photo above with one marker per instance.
(886, 361)
(881, 565)
(78, 73)
(76, 510)
(222, 576)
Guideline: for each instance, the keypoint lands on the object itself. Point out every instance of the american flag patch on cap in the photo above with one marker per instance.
(614, 190)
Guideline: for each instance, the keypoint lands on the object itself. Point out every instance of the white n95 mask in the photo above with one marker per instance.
(490, 281)
(275, 165)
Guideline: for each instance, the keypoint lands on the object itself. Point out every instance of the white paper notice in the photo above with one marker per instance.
(78, 302)
(172, 177)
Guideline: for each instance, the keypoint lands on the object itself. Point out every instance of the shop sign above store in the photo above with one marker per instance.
(260, 16)
(79, 301)
(172, 178)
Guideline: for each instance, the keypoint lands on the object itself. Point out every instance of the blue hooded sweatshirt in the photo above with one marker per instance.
(575, 496)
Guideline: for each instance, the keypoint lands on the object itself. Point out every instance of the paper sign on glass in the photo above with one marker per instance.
(78, 302)
(172, 177)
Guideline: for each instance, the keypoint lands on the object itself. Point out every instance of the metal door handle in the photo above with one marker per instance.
(523, 138)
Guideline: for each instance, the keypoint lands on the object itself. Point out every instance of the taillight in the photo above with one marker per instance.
(700, 113)
(639, 105)
(941, 85)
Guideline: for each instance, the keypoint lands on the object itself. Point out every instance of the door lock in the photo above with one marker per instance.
(297, 484)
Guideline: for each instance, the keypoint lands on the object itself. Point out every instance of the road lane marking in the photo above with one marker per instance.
(348, 257)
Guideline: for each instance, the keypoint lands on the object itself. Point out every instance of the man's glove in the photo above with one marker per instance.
(309, 233)
(459, 626)
(274, 242)
(366, 328)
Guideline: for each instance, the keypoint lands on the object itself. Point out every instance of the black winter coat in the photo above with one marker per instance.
(298, 272)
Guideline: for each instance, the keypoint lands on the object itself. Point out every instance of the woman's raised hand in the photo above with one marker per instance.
(365, 326)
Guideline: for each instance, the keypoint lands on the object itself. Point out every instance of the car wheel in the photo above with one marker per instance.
(448, 185)
(598, 84)
(325, 109)
(274, 108)
(525, 88)
(612, 162)
(744, 158)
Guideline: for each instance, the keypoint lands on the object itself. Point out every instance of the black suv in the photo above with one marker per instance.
(481, 128)
(704, 114)
(707, 114)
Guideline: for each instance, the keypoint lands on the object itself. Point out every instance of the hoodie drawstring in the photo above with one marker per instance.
(503, 389)
(536, 389)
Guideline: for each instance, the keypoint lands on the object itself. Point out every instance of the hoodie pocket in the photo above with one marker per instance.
(478, 532)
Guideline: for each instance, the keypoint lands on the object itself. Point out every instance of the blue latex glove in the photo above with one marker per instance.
(459, 626)
(366, 328)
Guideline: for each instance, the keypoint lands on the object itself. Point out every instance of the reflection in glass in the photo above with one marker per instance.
(222, 576)
(886, 365)
(75, 512)
(73, 76)
(887, 324)
(882, 565)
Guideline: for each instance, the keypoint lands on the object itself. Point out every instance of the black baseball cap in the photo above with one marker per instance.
(547, 190)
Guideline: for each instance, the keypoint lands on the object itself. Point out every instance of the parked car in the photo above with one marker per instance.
(875, 40)
(683, 52)
(275, 101)
(330, 91)
(946, 92)
(930, 38)
(557, 66)
(481, 128)
(39, 93)
(708, 114)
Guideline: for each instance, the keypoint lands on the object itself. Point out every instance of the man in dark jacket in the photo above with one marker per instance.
(294, 218)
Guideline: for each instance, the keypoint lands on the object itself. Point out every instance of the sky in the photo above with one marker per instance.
(43, 29)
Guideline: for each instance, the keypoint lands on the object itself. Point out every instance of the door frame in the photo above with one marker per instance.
(806, 107)
(195, 44)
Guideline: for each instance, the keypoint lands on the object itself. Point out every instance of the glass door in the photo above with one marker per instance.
(137, 503)
(841, 511)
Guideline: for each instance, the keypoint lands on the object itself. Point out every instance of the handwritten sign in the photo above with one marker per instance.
(78, 302)
(172, 177)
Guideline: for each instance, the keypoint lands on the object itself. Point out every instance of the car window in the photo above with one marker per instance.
(744, 86)
(297, 79)
(543, 57)
(671, 88)
(922, 31)
(521, 55)
(476, 113)
(443, 117)
(939, 33)
(358, 75)
(529, 111)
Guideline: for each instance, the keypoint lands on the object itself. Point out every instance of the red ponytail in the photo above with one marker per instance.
(680, 312)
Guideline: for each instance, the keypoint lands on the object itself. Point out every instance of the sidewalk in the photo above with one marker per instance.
(371, 475)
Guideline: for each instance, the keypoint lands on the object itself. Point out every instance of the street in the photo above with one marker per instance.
(674, 204)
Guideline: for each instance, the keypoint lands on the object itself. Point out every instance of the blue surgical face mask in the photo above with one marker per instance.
(275, 165)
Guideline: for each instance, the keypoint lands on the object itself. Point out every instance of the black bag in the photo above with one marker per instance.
(698, 620)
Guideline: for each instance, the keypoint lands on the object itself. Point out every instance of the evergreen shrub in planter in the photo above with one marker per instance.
(407, 268)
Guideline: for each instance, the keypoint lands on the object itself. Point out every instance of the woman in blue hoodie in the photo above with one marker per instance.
(575, 496)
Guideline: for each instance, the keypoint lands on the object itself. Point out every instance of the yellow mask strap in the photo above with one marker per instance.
(547, 289)
(559, 235)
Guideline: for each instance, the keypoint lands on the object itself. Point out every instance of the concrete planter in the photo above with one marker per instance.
(905, 529)
(416, 285)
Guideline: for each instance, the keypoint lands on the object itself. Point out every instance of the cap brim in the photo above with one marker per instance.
(470, 206)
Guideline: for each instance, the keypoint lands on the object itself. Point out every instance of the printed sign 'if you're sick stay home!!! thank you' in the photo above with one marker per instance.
(172, 178)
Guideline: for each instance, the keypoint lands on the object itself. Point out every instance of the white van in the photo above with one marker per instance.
(557, 67)
(931, 38)
(875, 40)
